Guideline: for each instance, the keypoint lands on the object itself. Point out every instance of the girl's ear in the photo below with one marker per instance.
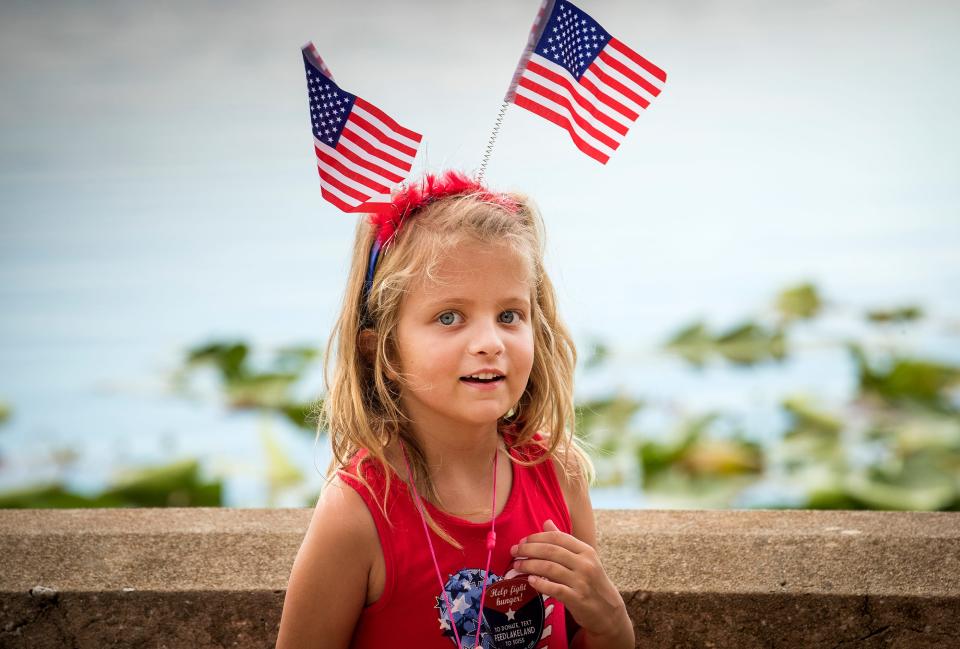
(367, 340)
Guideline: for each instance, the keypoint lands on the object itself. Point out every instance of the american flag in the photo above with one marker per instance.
(361, 151)
(578, 76)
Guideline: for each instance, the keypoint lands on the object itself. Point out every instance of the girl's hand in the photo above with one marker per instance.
(564, 567)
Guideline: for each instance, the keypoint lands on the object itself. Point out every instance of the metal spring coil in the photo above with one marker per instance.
(493, 137)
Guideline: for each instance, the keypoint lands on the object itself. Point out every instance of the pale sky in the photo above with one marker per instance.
(164, 150)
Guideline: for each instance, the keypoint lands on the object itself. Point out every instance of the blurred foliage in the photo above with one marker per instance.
(906, 380)
(597, 353)
(894, 444)
(799, 303)
(280, 471)
(174, 485)
(903, 314)
(269, 388)
(5, 412)
(746, 344)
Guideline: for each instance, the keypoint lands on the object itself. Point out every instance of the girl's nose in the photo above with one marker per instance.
(486, 339)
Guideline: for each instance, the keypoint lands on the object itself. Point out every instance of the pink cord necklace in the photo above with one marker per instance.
(491, 543)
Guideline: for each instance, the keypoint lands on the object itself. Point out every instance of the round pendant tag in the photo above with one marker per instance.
(513, 612)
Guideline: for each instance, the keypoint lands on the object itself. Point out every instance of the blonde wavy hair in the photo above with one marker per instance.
(363, 410)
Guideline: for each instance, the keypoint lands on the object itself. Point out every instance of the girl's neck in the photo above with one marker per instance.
(458, 455)
(453, 460)
(461, 473)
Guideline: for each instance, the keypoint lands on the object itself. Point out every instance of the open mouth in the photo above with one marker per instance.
(470, 379)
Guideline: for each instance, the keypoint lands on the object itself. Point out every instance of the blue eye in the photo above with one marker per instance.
(516, 313)
(445, 314)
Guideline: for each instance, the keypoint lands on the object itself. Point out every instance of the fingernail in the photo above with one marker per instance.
(513, 550)
(523, 540)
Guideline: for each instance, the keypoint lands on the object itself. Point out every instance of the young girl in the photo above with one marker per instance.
(458, 511)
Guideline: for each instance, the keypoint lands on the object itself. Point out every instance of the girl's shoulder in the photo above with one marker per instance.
(346, 503)
(342, 506)
(325, 592)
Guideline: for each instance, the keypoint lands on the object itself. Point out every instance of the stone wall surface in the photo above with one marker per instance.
(199, 578)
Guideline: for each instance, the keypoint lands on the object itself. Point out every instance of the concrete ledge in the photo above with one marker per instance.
(216, 577)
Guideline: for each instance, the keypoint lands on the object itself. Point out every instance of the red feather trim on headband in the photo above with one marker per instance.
(433, 187)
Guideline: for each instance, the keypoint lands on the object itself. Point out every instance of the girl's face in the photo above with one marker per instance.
(476, 316)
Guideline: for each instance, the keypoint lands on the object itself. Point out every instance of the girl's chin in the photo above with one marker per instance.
(480, 416)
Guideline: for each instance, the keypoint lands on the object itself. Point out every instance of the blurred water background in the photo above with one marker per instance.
(158, 193)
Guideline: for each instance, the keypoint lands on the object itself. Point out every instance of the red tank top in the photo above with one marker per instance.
(412, 609)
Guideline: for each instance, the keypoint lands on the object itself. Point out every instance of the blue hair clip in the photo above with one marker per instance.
(365, 319)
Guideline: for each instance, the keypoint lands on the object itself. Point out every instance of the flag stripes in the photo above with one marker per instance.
(361, 151)
(584, 80)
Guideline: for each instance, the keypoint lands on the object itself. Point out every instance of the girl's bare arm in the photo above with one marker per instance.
(328, 583)
(620, 631)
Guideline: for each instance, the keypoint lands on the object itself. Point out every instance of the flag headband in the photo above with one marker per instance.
(410, 200)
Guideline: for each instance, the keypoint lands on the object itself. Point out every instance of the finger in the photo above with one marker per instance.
(550, 526)
(547, 551)
(562, 539)
(549, 569)
(554, 589)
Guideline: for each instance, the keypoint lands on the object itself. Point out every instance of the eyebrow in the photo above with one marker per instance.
(524, 301)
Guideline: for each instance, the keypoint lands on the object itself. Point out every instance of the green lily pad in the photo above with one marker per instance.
(808, 418)
(899, 315)
(905, 380)
(260, 391)
(933, 492)
(799, 302)
(174, 485)
(54, 496)
(745, 344)
(229, 358)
